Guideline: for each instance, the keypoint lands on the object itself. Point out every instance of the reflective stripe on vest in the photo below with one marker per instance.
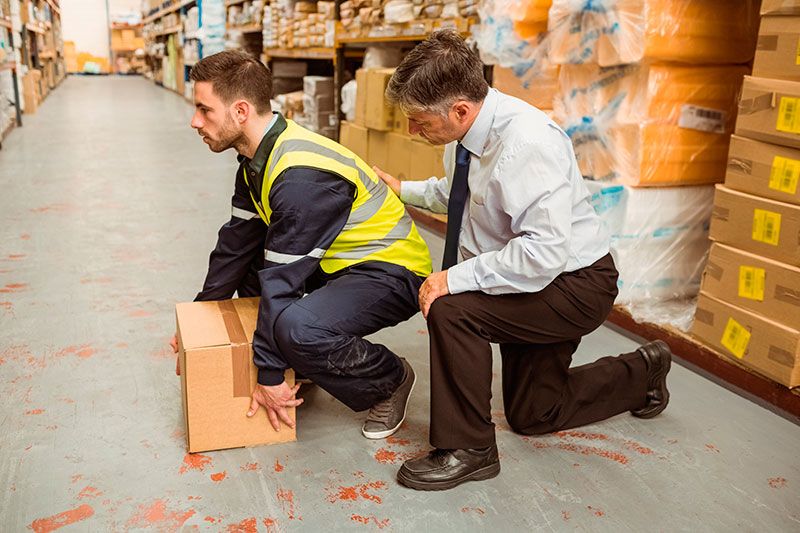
(378, 227)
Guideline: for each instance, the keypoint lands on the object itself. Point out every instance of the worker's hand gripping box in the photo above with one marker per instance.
(218, 376)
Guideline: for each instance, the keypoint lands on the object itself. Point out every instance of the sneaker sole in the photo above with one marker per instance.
(487, 472)
(377, 435)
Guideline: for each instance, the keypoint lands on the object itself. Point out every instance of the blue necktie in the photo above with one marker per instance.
(459, 191)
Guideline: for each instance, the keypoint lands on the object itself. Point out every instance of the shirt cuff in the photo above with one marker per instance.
(461, 277)
(269, 377)
(413, 192)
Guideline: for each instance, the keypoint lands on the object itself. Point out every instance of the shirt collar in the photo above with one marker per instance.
(478, 133)
(271, 132)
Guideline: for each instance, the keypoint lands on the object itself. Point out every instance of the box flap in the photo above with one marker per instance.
(203, 324)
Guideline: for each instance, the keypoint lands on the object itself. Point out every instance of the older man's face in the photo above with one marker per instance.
(434, 127)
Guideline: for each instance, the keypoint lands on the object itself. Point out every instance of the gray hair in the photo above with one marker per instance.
(436, 73)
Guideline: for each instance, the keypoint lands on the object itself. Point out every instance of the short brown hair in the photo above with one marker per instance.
(436, 73)
(235, 74)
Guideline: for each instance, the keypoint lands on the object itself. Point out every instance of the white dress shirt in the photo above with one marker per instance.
(528, 217)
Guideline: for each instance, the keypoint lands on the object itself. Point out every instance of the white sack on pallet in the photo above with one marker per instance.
(659, 240)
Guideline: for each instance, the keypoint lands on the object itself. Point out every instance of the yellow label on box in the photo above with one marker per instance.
(784, 175)
(751, 282)
(789, 115)
(797, 56)
(735, 338)
(766, 226)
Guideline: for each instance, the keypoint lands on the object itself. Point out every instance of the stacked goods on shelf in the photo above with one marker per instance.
(245, 14)
(243, 26)
(380, 135)
(287, 76)
(749, 307)
(291, 24)
(373, 18)
(647, 92)
(127, 47)
(191, 39)
(318, 107)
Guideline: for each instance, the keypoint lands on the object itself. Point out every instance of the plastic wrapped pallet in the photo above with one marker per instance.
(649, 124)
(511, 32)
(616, 32)
(659, 240)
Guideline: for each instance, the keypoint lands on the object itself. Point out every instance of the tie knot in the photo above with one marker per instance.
(462, 155)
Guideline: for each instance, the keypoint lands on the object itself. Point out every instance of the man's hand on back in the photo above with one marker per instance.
(275, 399)
(389, 180)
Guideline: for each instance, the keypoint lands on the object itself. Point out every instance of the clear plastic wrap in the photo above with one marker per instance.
(513, 32)
(659, 240)
(616, 32)
(649, 124)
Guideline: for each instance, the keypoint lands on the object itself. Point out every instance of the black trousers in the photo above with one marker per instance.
(538, 334)
(321, 334)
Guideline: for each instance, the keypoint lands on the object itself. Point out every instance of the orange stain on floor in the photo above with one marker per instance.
(14, 287)
(157, 516)
(52, 523)
(195, 461)
(34, 412)
(286, 498)
(219, 476)
(362, 490)
(777, 482)
(84, 351)
(249, 467)
(278, 466)
(366, 520)
(248, 525)
(89, 492)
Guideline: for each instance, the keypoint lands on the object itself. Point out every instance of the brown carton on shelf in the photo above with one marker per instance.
(538, 90)
(769, 111)
(763, 345)
(759, 225)
(780, 7)
(218, 376)
(763, 286)
(377, 148)
(427, 161)
(354, 137)
(399, 156)
(361, 97)
(778, 49)
(764, 169)
(400, 122)
(379, 112)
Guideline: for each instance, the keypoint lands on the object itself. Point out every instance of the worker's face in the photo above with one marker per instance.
(434, 127)
(214, 120)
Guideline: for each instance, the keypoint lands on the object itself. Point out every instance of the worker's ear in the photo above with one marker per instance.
(241, 111)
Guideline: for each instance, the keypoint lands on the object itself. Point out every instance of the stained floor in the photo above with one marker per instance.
(109, 206)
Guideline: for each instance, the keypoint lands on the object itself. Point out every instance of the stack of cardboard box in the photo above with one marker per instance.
(318, 114)
(380, 133)
(749, 307)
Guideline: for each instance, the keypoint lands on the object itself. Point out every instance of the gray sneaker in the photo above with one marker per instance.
(385, 417)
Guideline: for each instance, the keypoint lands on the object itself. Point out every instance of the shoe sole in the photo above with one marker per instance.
(663, 385)
(487, 472)
(377, 435)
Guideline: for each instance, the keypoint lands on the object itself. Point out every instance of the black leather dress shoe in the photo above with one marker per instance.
(445, 469)
(658, 358)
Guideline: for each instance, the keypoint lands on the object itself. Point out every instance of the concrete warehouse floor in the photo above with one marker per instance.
(110, 206)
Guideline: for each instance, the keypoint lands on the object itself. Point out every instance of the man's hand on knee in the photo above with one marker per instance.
(275, 399)
(433, 287)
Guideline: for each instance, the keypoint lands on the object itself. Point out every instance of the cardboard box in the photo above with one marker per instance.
(753, 341)
(427, 161)
(218, 376)
(400, 154)
(32, 90)
(377, 148)
(354, 137)
(769, 111)
(361, 97)
(538, 89)
(289, 69)
(766, 287)
(317, 85)
(400, 122)
(780, 7)
(764, 169)
(318, 103)
(379, 112)
(754, 224)
(778, 49)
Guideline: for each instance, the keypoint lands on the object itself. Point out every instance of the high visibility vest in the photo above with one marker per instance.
(378, 227)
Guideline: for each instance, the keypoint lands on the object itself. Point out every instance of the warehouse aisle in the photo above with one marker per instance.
(110, 206)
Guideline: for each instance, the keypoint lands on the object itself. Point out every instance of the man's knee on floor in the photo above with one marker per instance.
(531, 421)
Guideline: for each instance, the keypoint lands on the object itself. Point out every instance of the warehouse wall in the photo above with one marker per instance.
(86, 23)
